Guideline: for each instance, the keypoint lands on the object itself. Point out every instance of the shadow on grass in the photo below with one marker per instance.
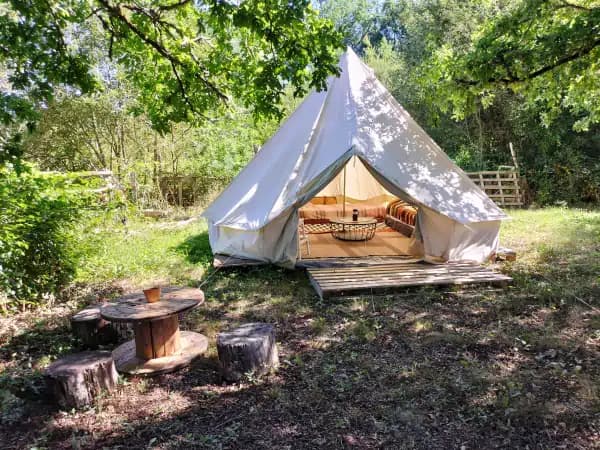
(424, 368)
(196, 249)
(30, 351)
(419, 368)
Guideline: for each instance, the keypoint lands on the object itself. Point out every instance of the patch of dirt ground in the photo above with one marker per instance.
(422, 369)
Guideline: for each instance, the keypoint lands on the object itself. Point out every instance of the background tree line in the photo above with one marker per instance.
(95, 132)
(439, 58)
(419, 49)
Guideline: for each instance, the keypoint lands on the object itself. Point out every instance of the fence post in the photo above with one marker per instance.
(180, 191)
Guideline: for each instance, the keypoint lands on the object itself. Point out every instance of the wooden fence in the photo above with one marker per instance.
(502, 186)
(188, 190)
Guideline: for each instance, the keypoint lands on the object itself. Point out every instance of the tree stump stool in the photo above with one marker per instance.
(77, 379)
(92, 329)
(249, 349)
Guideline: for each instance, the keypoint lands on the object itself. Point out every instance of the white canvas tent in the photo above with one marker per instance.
(256, 216)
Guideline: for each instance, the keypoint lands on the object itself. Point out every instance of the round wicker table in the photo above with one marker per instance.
(346, 229)
(159, 346)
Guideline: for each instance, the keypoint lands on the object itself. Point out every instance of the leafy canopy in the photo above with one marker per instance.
(185, 58)
(367, 22)
(419, 49)
(547, 50)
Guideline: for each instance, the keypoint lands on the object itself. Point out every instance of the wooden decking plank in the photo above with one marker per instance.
(402, 284)
(384, 285)
(348, 282)
(342, 277)
(399, 281)
(328, 281)
(407, 272)
(392, 270)
(384, 270)
(315, 284)
(359, 276)
(409, 267)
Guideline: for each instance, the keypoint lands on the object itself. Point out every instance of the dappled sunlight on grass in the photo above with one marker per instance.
(558, 256)
(552, 234)
(196, 249)
(142, 253)
(431, 368)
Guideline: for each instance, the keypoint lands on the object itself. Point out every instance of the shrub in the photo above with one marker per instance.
(38, 211)
(568, 178)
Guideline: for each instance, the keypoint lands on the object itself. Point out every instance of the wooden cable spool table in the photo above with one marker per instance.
(159, 347)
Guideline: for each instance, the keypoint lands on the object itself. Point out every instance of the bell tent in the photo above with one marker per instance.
(352, 139)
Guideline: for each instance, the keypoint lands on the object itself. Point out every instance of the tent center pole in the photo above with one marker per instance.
(344, 196)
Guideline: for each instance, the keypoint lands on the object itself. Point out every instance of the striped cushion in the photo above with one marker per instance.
(403, 211)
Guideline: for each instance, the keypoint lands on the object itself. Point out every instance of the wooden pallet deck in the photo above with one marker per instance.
(339, 281)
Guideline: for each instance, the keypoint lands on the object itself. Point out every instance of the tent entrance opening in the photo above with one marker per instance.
(382, 224)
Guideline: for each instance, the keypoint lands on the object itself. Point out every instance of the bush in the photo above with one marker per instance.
(564, 176)
(37, 256)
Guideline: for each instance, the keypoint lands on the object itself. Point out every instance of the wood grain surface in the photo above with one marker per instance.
(134, 307)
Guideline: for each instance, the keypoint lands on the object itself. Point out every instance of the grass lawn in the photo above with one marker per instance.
(427, 368)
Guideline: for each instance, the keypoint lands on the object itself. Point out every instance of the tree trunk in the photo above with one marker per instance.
(77, 379)
(248, 350)
(93, 330)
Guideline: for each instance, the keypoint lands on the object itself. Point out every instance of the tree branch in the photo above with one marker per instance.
(565, 59)
(567, 4)
(536, 73)
(154, 16)
(116, 12)
(56, 21)
(173, 5)
(184, 91)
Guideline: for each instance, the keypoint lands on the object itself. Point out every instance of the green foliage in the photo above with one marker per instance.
(85, 133)
(97, 132)
(547, 51)
(188, 60)
(185, 60)
(354, 18)
(365, 23)
(37, 257)
(37, 55)
(422, 68)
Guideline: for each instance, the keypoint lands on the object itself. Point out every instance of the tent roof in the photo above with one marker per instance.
(355, 116)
